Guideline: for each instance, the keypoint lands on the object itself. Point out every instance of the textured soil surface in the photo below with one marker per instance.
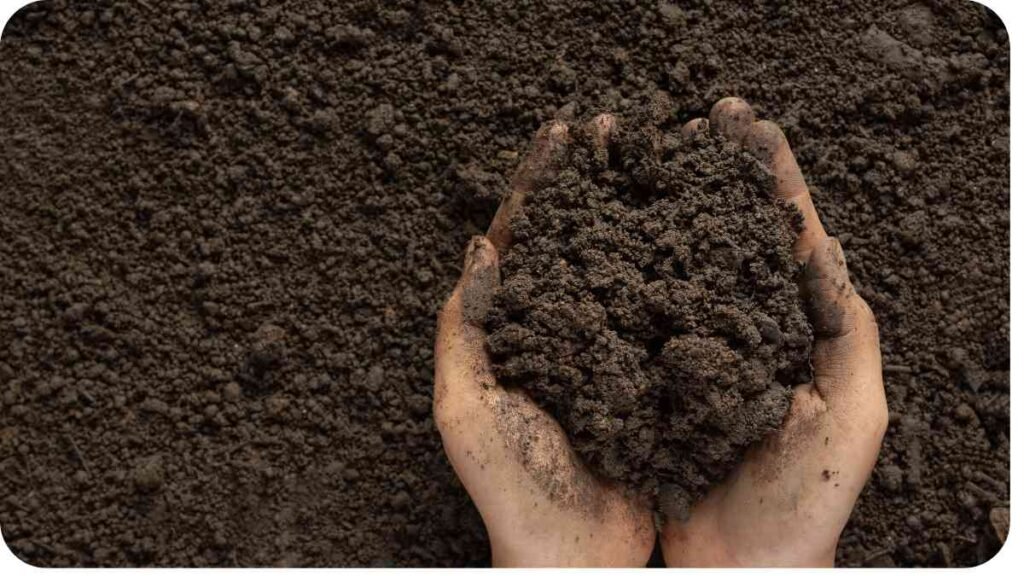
(227, 227)
(649, 302)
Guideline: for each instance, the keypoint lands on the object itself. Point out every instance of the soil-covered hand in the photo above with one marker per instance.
(540, 504)
(789, 500)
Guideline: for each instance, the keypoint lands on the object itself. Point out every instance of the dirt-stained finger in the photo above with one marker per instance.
(471, 299)
(460, 355)
(602, 127)
(847, 356)
(479, 280)
(766, 141)
(829, 293)
(731, 117)
(694, 129)
(538, 167)
(598, 134)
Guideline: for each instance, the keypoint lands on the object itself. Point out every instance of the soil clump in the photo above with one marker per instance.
(649, 301)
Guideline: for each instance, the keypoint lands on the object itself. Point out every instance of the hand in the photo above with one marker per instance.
(540, 504)
(790, 498)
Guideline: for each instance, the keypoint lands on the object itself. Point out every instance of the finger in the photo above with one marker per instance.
(847, 358)
(731, 117)
(599, 131)
(537, 169)
(479, 281)
(548, 143)
(597, 135)
(602, 127)
(766, 141)
(460, 356)
(695, 128)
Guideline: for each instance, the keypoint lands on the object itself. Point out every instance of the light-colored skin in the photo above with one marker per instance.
(540, 504)
(787, 502)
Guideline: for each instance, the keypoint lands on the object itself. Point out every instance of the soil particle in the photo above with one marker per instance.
(881, 47)
(917, 21)
(148, 476)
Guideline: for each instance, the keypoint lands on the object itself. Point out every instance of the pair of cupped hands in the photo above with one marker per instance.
(785, 504)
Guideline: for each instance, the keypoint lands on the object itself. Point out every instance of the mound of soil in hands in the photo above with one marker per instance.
(227, 228)
(651, 305)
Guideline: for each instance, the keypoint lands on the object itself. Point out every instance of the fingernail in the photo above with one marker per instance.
(559, 131)
(605, 124)
(477, 253)
(472, 252)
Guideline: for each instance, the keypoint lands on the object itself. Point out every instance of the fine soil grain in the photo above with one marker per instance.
(649, 302)
(226, 228)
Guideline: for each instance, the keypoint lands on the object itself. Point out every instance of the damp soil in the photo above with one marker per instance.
(649, 302)
(227, 228)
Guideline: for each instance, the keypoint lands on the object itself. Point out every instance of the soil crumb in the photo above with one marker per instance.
(649, 302)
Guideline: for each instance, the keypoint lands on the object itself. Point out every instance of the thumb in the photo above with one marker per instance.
(479, 281)
(460, 356)
(847, 359)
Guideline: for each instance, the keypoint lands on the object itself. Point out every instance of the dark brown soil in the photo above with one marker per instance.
(226, 228)
(649, 302)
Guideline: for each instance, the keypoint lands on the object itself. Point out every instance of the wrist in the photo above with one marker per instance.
(691, 547)
(531, 554)
(564, 549)
(682, 547)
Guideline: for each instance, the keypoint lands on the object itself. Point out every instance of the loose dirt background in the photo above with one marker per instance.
(226, 228)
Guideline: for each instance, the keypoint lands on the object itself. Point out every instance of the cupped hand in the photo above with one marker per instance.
(540, 504)
(788, 501)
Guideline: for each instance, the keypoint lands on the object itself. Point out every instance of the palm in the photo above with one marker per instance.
(540, 504)
(789, 500)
